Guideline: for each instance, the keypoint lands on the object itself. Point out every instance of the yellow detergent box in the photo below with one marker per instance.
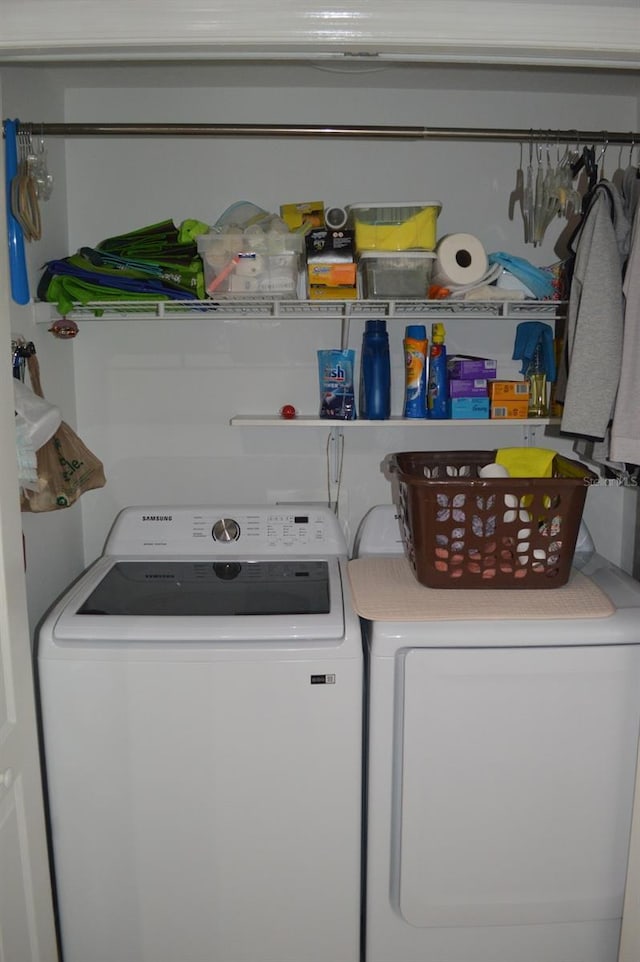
(320, 293)
(508, 391)
(330, 274)
(510, 409)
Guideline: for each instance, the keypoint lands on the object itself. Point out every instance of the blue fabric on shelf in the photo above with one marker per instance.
(528, 335)
(539, 282)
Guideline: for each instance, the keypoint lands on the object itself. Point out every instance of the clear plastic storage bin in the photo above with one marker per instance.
(395, 227)
(255, 262)
(391, 274)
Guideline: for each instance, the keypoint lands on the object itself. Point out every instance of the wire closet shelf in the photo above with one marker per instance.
(278, 308)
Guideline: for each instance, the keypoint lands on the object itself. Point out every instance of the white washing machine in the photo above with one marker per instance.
(201, 698)
(501, 763)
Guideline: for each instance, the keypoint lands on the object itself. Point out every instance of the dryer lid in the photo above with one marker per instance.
(378, 533)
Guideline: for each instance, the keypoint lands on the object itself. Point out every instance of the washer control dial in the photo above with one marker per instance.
(225, 529)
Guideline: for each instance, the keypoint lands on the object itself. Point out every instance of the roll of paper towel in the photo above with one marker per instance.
(460, 260)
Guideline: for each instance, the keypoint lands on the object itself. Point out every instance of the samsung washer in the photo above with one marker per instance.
(200, 689)
(501, 766)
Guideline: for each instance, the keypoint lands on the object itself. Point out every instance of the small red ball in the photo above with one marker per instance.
(288, 412)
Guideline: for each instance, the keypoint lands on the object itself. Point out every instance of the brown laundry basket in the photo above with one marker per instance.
(462, 531)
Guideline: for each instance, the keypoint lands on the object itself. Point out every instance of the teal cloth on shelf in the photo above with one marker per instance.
(528, 335)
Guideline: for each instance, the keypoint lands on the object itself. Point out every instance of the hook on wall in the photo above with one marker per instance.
(20, 351)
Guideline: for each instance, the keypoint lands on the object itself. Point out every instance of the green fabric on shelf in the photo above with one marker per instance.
(156, 262)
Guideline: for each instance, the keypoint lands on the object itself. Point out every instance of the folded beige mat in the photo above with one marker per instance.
(385, 589)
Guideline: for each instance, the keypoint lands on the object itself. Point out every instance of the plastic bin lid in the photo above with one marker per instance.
(416, 255)
(241, 214)
(399, 204)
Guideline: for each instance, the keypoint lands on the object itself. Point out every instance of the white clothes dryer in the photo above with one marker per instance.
(501, 758)
(201, 697)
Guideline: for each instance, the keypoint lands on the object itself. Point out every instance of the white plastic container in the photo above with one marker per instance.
(391, 274)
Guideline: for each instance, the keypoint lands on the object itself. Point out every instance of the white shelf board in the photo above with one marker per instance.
(306, 421)
(232, 308)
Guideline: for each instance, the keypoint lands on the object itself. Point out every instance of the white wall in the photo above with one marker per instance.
(53, 542)
(154, 398)
(144, 180)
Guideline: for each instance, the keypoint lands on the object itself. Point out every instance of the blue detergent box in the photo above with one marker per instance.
(469, 407)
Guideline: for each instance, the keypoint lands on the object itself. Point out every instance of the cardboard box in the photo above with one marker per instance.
(320, 293)
(308, 214)
(508, 391)
(510, 409)
(468, 388)
(462, 366)
(469, 407)
(329, 274)
(329, 245)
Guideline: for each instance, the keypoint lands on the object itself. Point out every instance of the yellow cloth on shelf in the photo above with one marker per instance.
(526, 462)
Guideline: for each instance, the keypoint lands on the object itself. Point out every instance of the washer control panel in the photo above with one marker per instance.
(275, 529)
(227, 531)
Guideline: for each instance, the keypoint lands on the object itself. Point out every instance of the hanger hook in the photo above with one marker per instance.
(603, 149)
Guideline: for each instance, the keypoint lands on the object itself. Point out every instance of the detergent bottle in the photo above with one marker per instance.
(375, 372)
(438, 382)
(415, 347)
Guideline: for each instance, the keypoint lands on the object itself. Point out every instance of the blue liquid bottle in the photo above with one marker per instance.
(375, 373)
(438, 379)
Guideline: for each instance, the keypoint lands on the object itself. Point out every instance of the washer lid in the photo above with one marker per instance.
(211, 588)
(123, 601)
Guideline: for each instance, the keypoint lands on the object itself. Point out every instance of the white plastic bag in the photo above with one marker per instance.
(40, 419)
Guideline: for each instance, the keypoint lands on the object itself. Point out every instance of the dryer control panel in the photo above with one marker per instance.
(230, 531)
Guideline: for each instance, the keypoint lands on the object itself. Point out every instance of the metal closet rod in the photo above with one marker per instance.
(339, 131)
